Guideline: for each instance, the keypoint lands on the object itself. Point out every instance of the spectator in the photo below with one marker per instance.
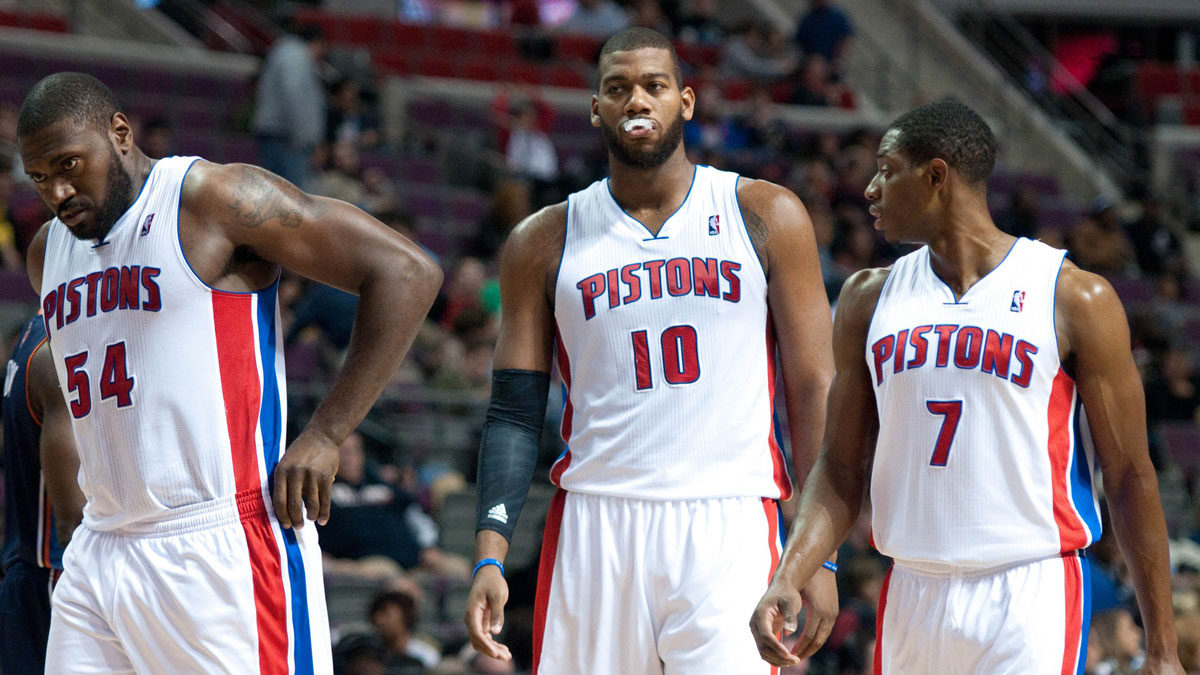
(370, 517)
(330, 310)
(1157, 248)
(1174, 396)
(600, 19)
(289, 104)
(816, 86)
(394, 614)
(1097, 242)
(347, 119)
(700, 24)
(755, 53)
(1121, 640)
(511, 201)
(530, 152)
(1021, 217)
(824, 30)
(156, 139)
(9, 256)
(649, 14)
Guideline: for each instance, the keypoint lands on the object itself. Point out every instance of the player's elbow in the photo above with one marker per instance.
(422, 275)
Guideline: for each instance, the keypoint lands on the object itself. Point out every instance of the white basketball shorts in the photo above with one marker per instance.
(642, 587)
(210, 590)
(1029, 618)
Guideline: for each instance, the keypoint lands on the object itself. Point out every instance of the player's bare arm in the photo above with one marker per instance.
(783, 238)
(521, 370)
(833, 493)
(237, 223)
(60, 460)
(1094, 341)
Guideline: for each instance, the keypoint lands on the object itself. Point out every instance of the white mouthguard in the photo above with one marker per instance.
(633, 125)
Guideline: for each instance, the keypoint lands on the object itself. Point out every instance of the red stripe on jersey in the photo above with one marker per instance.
(240, 386)
(564, 371)
(877, 667)
(1073, 581)
(546, 572)
(782, 480)
(1071, 533)
(771, 508)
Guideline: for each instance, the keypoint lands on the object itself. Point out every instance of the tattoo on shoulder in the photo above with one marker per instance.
(260, 198)
(757, 229)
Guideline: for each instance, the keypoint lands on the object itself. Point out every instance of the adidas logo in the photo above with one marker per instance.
(498, 512)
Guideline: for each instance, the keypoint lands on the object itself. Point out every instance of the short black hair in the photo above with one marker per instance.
(407, 603)
(642, 38)
(952, 131)
(81, 97)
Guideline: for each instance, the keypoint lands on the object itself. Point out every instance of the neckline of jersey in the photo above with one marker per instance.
(978, 282)
(662, 231)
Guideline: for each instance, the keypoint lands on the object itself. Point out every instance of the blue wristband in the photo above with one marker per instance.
(832, 567)
(484, 563)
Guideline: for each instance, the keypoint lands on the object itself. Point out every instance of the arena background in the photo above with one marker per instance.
(453, 119)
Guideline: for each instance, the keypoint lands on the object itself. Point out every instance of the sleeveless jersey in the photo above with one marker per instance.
(29, 531)
(984, 458)
(176, 389)
(666, 351)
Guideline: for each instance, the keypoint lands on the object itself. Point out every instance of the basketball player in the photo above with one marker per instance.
(662, 293)
(158, 281)
(40, 469)
(973, 361)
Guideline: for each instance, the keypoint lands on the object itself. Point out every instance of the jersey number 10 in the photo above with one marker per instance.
(115, 381)
(680, 357)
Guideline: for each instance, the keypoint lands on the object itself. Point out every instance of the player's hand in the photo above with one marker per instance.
(485, 612)
(303, 479)
(775, 614)
(821, 605)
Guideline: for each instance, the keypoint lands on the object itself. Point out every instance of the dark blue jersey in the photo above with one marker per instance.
(29, 534)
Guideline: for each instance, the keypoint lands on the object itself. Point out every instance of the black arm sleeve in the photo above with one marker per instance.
(509, 449)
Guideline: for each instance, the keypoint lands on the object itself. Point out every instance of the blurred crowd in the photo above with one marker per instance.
(389, 500)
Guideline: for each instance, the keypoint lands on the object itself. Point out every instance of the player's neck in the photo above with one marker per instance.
(967, 247)
(655, 191)
(139, 170)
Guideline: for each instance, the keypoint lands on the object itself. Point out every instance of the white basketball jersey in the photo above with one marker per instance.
(666, 351)
(984, 457)
(176, 390)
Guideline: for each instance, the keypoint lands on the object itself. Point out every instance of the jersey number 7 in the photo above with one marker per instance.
(952, 410)
(115, 381)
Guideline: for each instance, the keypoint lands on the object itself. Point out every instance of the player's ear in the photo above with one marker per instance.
(939, 171)
(121, 132)
(595, 111)
(688, 97)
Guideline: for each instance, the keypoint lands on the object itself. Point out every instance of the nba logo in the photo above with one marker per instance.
(1018, 302)
(714, 225)
(146, 225)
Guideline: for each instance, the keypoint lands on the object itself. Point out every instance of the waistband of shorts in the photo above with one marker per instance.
(928, 569)
(208, 515)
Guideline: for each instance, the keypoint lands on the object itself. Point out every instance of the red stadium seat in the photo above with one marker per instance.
(578, 46)
(495, 44)
(526, 73)
(451, 40)
(566, 76)
(394, 61)
(485, 68)
(362, 30)
(407, 37)
(1158, 79)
